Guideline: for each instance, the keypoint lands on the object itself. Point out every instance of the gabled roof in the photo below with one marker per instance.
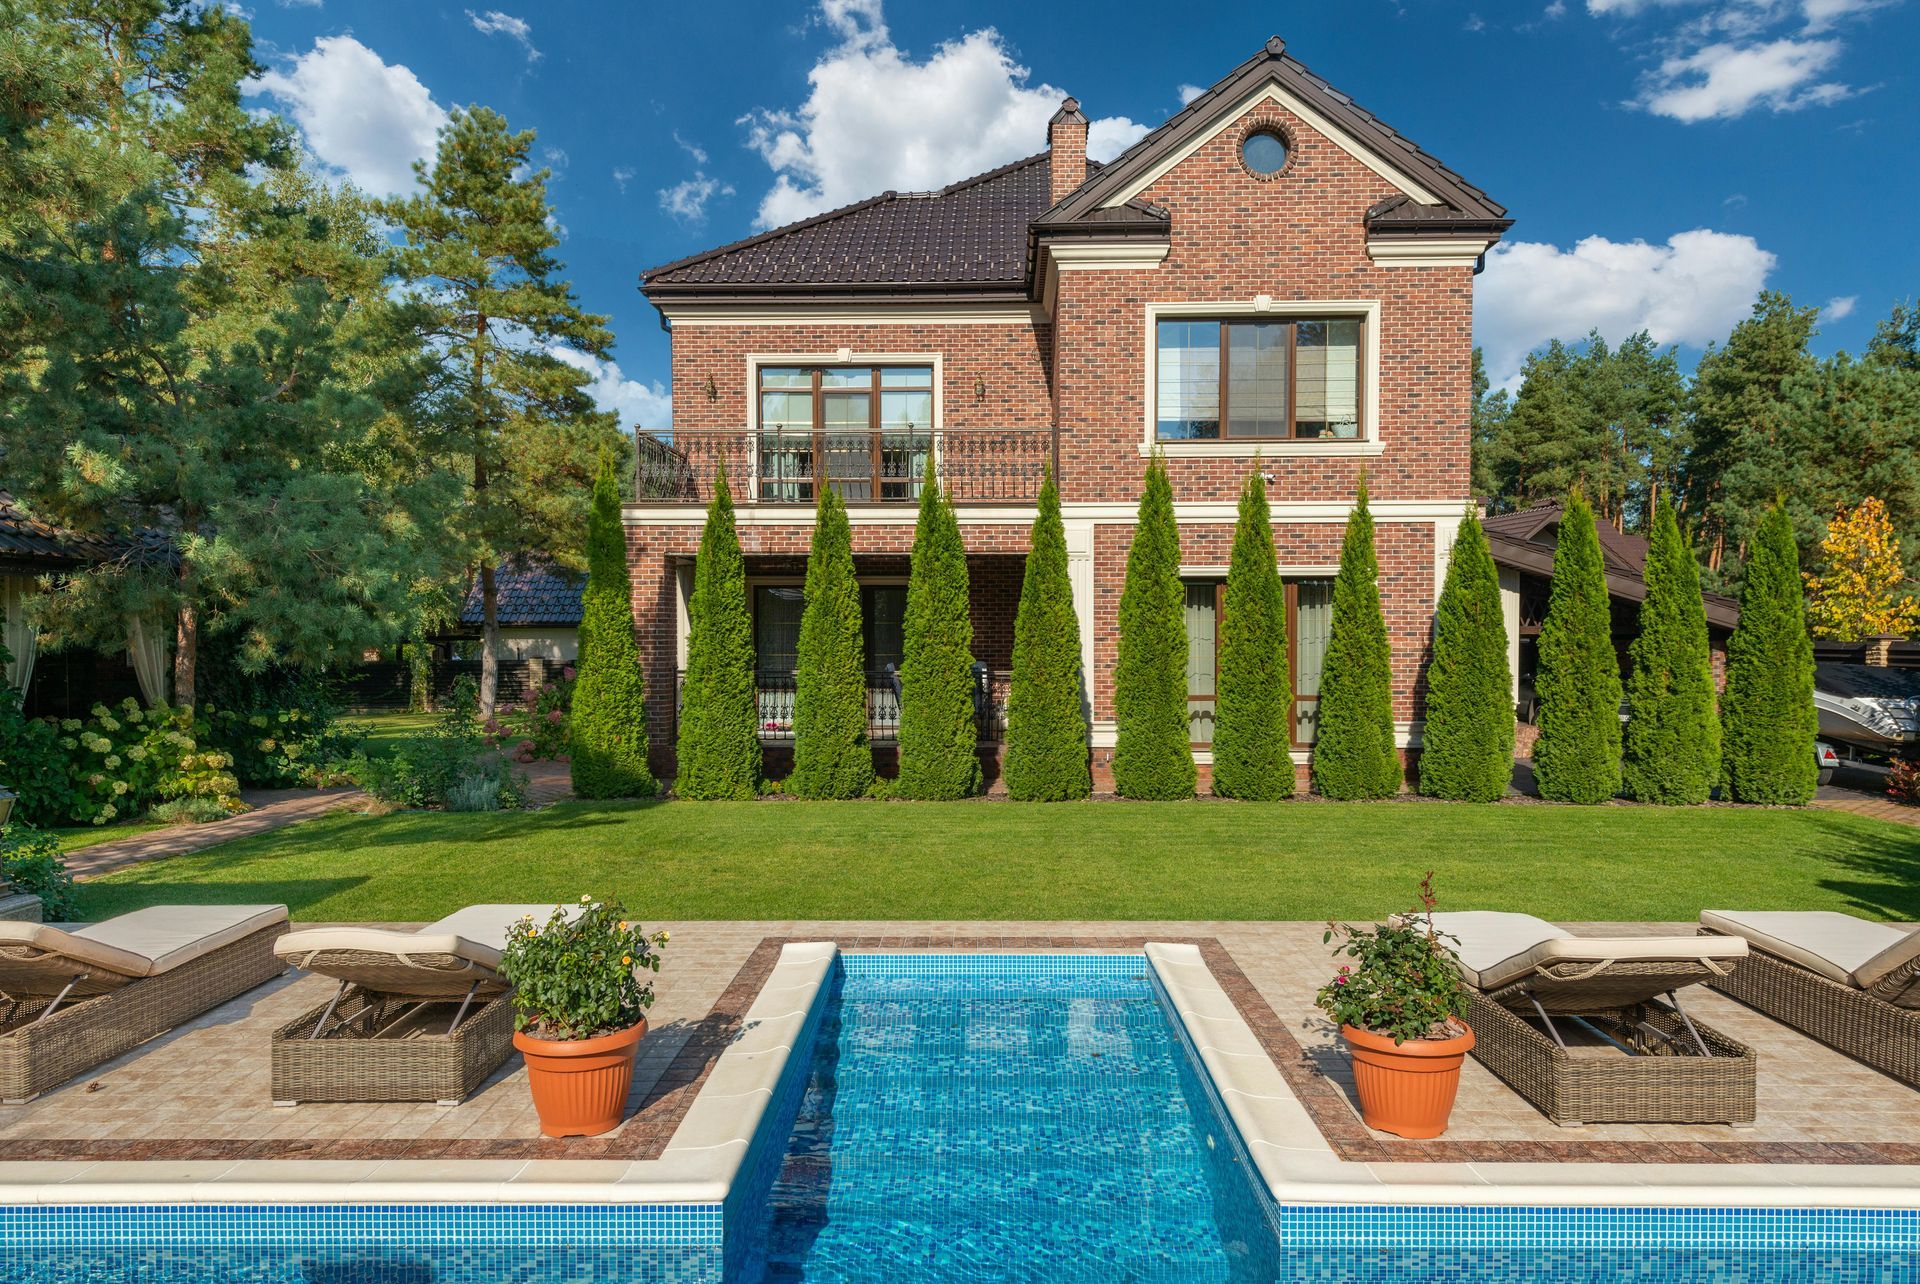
(30, 543)
(1525, 540)
(529, 596)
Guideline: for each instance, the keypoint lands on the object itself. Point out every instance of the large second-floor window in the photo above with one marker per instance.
(1258, 380)
(864, 430)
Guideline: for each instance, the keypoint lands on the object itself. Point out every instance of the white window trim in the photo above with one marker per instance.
(1367, 443)
(839, 357)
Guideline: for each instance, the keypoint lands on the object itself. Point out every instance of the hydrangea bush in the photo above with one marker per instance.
(577, 976)
(124, 758)
(540, 727)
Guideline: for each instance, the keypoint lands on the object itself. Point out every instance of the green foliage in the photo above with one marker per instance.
(938, 734)
(188, 811)
(1672, 738)
(719, 745)
(30, 861)
(1046, 752)
(1254, 710)
(540, 727)
(1467, 748)
(577, 976)
(1153, 749)
(430, 769)
(1406, 982)
(609, 694)
(1767, 709)
(1354, 755)
(831, 755)
(31, 762)
(1577, 757)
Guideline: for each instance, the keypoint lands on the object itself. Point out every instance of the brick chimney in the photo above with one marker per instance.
(1066, 150)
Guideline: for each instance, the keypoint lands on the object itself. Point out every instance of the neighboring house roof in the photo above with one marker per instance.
(34, 545)
(529, 597)
(1525, 541)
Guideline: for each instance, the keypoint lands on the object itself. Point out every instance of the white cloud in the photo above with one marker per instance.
(1841, 308)
(1723, 80)
(687, 199)
(637, 404)
(495, 23)
(875, 119)
(694, 150)
(366, 118)
(1474, 22)
(622, 175)
(1190, 92)
(1822, 14)
(1690, 290)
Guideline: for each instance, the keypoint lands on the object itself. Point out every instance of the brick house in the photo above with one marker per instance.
(1272, 274)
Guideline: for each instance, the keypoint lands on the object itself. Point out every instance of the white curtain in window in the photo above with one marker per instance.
(21, 638)
(149, 650)
(1329, 375)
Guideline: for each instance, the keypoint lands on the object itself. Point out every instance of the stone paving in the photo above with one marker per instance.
(271, 809)
(202, 1091)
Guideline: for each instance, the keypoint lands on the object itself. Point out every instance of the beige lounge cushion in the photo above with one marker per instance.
(39, 960)
(1497, 949)
(1840, 947)
(441, 958)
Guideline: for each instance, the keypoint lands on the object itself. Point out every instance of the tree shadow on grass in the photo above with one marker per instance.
(1887, 866)
(104, 900)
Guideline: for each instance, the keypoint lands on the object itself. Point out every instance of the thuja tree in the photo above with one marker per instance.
(1354, 755)
(1672, 740)
(609, 695)
(938, 736)
(831, 754)
(719, 747)
(1254, 693)
(1153, 750)
(1577, 757)
(1769, 721)
(1467, 749)
(1046, 755)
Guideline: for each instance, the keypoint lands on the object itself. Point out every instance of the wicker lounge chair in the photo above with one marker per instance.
(1852, 984)
(1591, 1030)
(418, 1016)
(73, 998)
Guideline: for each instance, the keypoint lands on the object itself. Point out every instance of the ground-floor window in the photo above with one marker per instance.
(777, 609)
(1309, 621)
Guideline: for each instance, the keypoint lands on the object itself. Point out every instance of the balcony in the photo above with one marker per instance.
(773, 466)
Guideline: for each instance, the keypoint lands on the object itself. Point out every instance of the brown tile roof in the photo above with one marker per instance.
(25, 539)
(1525, 540)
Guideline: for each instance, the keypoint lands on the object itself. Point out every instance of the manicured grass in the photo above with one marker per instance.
(80, 836)
(768, 860)
(386, 730)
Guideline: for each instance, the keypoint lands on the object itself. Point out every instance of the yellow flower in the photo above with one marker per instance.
(627, 959)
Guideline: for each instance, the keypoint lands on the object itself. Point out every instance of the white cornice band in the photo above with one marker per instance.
(1421, 511)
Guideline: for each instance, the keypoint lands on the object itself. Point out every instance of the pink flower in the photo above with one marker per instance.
(554, 715)
(567, 673)
(1341, 979)
(547, 689)
(525, 746)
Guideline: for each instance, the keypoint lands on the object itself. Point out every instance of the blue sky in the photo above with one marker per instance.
(1663, 158)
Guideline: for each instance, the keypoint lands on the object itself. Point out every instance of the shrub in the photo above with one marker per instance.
(1354, 755)
(609, 697)
(831, 755)
(32, 762)
(271, 746)
(539, 728)
(939, 758)
(1467, 750)
(1903, 780)
(122, 759)
(475, 791)
(188, 811)
(1672, 740)
(1153, 746)
(427, 769)
(1407, 983)
(1046, 754)
(718, 755)
(30, 860)
(1767, 710)
(1253, 716)
(1577, 757)
(576, 976)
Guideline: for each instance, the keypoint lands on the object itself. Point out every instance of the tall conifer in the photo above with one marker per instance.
(939, 734)
(719, 746)
(832, 757)
(1354, 755)
(1153, 747)
(1046, 754)
(1767, 709)
(1577, 757)
(1254, 698)
(609, 753)
(1672, 739)
(1467, 749)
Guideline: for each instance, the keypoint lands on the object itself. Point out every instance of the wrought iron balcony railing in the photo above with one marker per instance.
(788, 466)
(774, 690)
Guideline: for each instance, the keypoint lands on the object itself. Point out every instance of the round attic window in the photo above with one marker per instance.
(1264, 152)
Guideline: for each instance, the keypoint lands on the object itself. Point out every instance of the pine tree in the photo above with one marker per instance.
(939, 757)
(609, 694)
(719, 745)
(1153, 747)
(1577, 757)
(831, 754)
(1354, 755)
(1467, 748)
(1767, 709)
(1672, 738)
(1046, 754)
(1254, 700)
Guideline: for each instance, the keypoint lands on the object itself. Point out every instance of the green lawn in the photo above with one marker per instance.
(73, 839)
(385, 730)
(1076, 860)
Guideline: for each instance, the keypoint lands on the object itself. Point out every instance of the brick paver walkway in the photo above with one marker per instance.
(548, 783)
(272, 809)
(1880, 808)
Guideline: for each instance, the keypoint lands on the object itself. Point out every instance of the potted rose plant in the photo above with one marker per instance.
(580, 1011)
(1399, 1005)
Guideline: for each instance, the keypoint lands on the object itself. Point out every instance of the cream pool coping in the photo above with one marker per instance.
(697, 1167)
(1300, 1167)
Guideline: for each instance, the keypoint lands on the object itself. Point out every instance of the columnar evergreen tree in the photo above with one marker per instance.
(1577, 757)
(609, 693)
(831, 754)
(1046, 754)
(719, 746)
(1672, 738)
(1467, 749)
(1767, 709)
(1354, 755)
(1153, 747)
(939, 757)
(1254, 695)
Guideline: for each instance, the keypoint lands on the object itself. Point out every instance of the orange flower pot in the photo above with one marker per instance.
(580, 1085)
(1406, 1089)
